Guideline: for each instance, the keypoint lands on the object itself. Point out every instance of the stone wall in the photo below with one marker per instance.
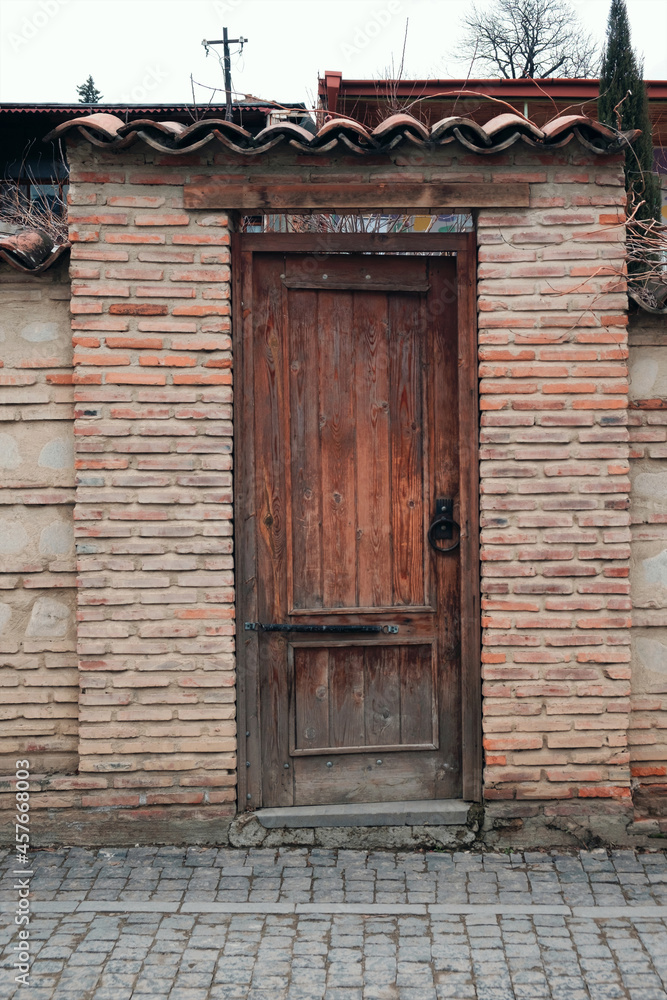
(38, 666)
(648, 433)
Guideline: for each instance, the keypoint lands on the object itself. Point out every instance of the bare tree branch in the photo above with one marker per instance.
(528, 38)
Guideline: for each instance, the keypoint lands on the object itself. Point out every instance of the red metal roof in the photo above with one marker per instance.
(367, 100)
(577, 90)
(249, 104)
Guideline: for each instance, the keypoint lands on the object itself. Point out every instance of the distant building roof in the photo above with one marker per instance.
(367, 100)
(192, 111)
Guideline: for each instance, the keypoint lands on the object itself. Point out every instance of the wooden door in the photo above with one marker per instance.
(350, 435)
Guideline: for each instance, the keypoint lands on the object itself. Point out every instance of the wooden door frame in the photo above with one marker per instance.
(464, 245)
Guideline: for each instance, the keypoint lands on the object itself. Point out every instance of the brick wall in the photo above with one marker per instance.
(38, 667)
(151, 328)
(648, 434)
(555, 523)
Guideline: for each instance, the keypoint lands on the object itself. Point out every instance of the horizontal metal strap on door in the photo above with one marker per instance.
(287, 627)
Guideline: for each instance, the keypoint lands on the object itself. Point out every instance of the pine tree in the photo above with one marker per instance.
(621, 79)
(88, 92)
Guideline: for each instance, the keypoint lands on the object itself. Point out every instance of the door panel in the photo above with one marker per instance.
(368, 467)
(347, 698)
(354, 437)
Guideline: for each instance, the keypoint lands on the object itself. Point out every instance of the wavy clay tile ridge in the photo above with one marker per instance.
(501, 132)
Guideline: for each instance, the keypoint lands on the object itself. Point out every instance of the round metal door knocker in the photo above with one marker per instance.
(439, 527)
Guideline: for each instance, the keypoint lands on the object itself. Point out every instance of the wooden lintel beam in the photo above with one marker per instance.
(379, 197)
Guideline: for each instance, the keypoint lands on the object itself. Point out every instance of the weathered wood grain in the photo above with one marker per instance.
(353, 399)
(373, 464)
(305, 576)
(377, 195)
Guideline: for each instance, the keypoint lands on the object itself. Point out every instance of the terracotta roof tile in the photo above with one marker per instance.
(499, 133)
(30, 250)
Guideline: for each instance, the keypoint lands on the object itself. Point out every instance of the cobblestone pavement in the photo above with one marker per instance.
(297, 924)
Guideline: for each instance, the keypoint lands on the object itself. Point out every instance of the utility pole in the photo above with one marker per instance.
(226, 41)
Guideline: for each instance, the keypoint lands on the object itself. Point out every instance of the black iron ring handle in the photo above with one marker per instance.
(440, 522)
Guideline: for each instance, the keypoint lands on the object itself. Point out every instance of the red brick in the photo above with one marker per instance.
(102, 288)
(167, 256)
(138, 343)
(512, 742)
(101, 359)
(109, 800)
(201, 239)
(77, 235)
(201, 274)
(174, 798)
(574, 774)
(100, 324)
(168, 361)
(100, 219)
(85, 308)
(162, 219)
(197, 310)
(135, 273)
(135, 201)
(125, 237)
(167, 177)
(90, 253)
(137, 309)
(136, 378)
(604, 792)
(167, 326)
(166, 292)
(84, 272)
(99, 177)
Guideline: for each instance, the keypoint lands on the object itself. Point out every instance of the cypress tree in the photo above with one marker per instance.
(621, 72)
(88, 92)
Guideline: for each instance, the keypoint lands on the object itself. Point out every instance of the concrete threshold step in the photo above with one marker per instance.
(425, 812)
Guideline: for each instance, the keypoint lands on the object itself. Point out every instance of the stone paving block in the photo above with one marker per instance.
(311, 946)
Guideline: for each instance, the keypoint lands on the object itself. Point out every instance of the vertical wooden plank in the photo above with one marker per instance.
(471, 693)
(305, 450)
(338, 443)
(416, 687)
(249, 779)
(268, 414)
(268, 400)
(311, 696)
(346, 696)
(373, 467)
(407, 460)
(382, 702)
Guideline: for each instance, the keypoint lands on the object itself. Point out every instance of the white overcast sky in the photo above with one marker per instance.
(143, 51)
